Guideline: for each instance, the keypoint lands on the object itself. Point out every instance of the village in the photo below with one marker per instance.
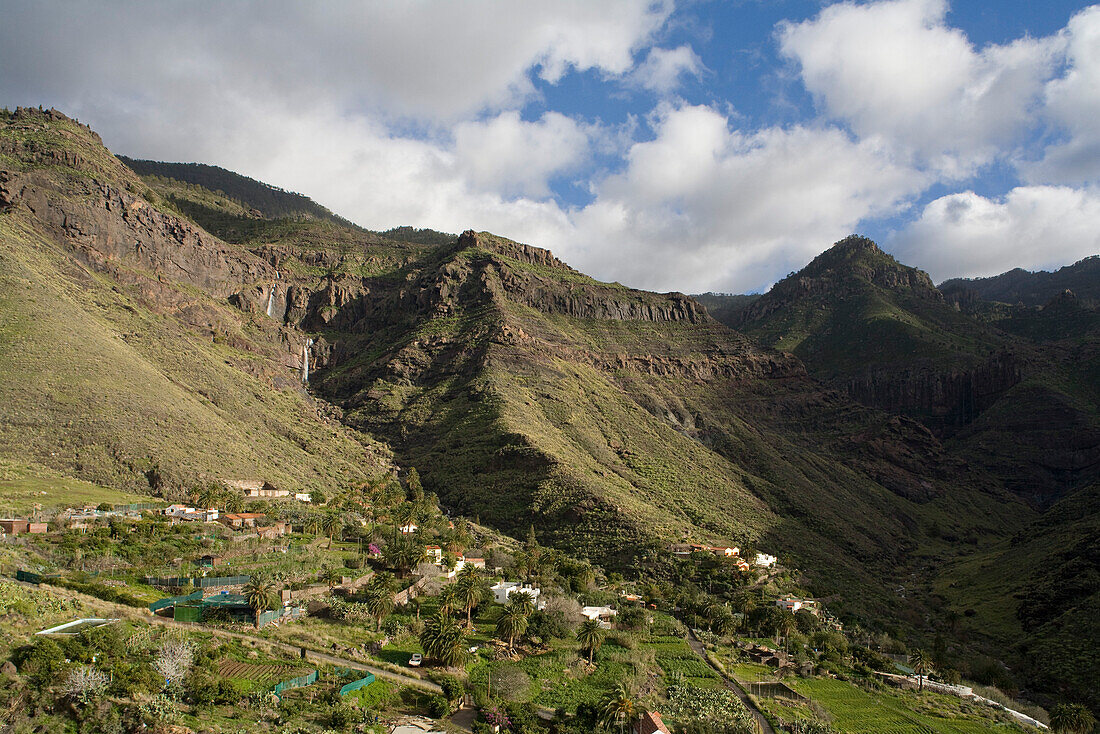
(373, 610)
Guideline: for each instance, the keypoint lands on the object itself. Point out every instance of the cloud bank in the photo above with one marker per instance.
(441, 114)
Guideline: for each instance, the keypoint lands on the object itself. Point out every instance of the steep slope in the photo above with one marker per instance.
(617, 420)
(726, 308)
(1020, 286)
(880, 331)
(124, 362)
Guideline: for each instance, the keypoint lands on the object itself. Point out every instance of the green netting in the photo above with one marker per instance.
(187, 613)
(356, 685)
(171, 601)
(300, 682)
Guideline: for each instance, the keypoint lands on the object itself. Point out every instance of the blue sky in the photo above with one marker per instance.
(668, 145)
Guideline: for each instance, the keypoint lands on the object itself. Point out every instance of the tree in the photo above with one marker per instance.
(619, 708)
(448, 599)
(174, 661)
(332, 524)
(524, 601)
(234, 503)
(918, 660)
(379, 602)
(84, 683)
(784, 625)
(259, 592)
(403, 554)
(444, 640)
(413, 486)
(1071, 718)
(471, 590)
(332, 576)
(511, 622)
(590, 636)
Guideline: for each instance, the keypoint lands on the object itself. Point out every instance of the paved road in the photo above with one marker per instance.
(765, 727)
(127, 612)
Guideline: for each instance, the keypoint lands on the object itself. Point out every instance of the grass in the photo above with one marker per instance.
(855, 710)
(23, 486)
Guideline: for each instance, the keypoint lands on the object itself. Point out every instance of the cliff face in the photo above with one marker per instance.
(940, 398)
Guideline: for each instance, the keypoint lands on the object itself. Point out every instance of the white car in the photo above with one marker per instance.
(415, 660)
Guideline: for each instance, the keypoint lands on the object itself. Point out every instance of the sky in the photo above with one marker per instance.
(669, 145)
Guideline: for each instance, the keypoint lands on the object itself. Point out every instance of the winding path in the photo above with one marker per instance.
(733, 685)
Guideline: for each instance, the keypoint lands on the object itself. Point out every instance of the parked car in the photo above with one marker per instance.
(415, 660)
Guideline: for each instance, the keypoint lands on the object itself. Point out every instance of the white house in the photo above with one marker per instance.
(790, 604)
(464, 561)
(603, 615)
(726, 551)
(434, 554)
(408, 529)
(303, 497)
(502, 590)
(764, 560)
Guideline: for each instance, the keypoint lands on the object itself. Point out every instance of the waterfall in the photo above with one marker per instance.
(271, 300)
(305, 360)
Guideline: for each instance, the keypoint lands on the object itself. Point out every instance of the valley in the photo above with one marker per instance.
(923, 460)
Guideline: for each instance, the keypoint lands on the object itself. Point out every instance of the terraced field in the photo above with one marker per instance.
(259, 674)
(857, 711)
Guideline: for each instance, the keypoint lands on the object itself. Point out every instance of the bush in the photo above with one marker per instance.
(342, 716)
(452, 688)
(438, 706)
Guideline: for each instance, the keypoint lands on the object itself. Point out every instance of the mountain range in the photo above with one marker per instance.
(928, 456)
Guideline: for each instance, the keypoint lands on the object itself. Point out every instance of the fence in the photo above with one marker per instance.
(300, 682)
(202, 582)
(356, 685)
(139, 506)
(172, 601)
(35, 578)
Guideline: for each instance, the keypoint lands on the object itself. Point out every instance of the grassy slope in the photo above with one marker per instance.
(101, 383)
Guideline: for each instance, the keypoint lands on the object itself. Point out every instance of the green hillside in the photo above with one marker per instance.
(117, 375)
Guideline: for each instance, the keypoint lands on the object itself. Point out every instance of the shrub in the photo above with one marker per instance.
(452, 688)
(438, 706)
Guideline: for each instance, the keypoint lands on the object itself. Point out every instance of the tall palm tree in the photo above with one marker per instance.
(259, 592)
(919, 661)
(619, 708)
(444, 640)
(332, 524)
(524, 600)
(784, 626)
(1071, 718)
(590, 635)
(471, 590)
(511, 622)
(379, 603)
(448, 599)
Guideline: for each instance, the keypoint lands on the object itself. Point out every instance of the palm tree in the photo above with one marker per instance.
(444, 640)
(471, 591)
(918, 660)
(724, 624)
(1071, 718)
(259, 592)
(403, 554)
(619, 708)
(448, 599)
(332, 577)
(590, 635)
(234, 503)
(784, 626)
(524, 600)
(511, 622)
(379, 603)
(332, 524)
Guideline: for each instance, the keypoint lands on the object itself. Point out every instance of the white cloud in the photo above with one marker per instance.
(896, 71)
(665, 68)
(1032, 227)
(716, 208)
(1073, 106)
(433, 59)
(514, 157)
